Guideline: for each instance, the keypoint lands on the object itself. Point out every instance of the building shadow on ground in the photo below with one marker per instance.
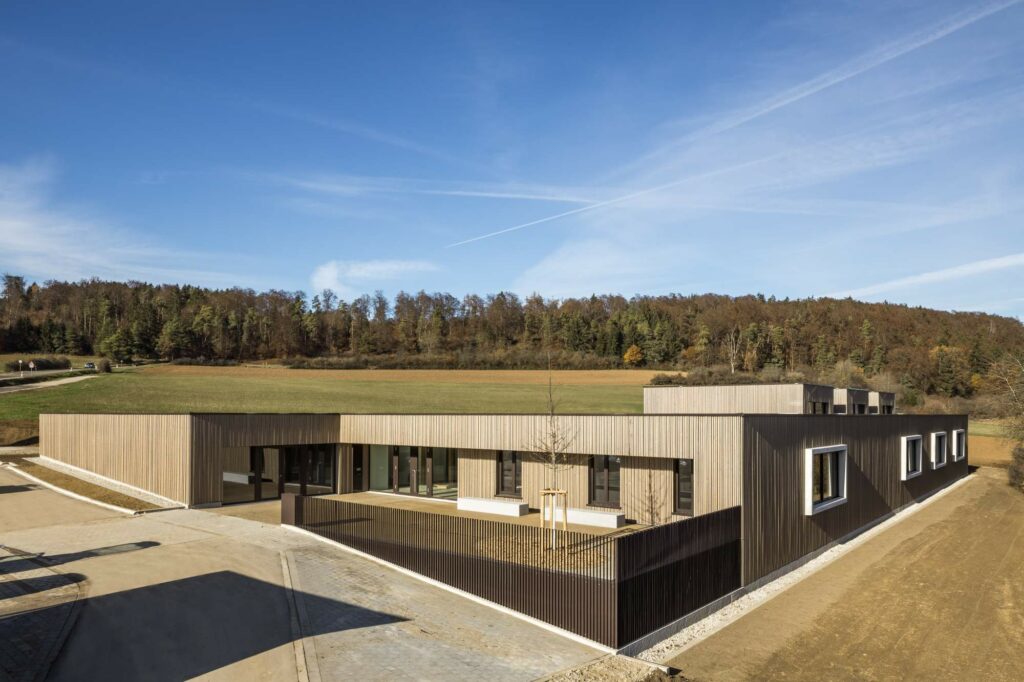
(190, 627)
(23, 561)
(4, 489)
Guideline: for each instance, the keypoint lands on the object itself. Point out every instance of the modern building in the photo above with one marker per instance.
(802, 477)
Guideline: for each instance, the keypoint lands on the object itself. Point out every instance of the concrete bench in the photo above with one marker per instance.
(493, 506)
(591, 516)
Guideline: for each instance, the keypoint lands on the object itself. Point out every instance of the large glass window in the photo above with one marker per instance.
(238, 478)
(444, 462)
(604, 480)
(510, 473)
(320, 466)
(684, 487)
(406, 468)
(380, 467)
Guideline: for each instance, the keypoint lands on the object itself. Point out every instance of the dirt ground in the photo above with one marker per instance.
(989, 451)
(938, 596)
(606, 377)
(19, 432)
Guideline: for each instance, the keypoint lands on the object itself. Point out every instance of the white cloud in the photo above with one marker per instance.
(43, 240)
(944, 275)
(341, 277)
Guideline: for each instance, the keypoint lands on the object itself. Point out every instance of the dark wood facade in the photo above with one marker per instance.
(775, 530)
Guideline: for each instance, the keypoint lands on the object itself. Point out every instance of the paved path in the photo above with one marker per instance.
(188, 593)
(45, 384)
(938, 596)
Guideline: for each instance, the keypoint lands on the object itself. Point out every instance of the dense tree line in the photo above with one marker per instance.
(933, 351)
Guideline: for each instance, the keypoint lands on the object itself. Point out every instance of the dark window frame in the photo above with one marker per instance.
(677, 476)
(598, 497)
(819, 497)
(517, 474)
(918, 455)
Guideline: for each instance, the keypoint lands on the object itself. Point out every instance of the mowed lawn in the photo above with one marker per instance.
(167, 388)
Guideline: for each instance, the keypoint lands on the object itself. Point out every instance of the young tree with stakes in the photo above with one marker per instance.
(551, 448)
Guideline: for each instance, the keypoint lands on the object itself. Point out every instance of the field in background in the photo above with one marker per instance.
(169, 388)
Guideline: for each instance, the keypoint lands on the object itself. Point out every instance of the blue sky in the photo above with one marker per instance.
(793, 149)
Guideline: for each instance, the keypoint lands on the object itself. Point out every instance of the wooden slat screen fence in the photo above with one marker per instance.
(667, 571)
(586, 586)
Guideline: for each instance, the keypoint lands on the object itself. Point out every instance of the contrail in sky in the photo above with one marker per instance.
(850, 69)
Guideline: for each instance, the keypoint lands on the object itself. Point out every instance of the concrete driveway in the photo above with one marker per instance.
(187, 593)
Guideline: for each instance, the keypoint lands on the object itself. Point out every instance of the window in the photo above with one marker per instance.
(817, 407)
(684, 487)
(938, 449)
(510, 473)
(959, 445)
(860, 408)
(604, 481)
(886, 409)
(824, 478)
(910, 457)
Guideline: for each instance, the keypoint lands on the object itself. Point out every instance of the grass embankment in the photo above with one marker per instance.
(79, 486)
(242, 389)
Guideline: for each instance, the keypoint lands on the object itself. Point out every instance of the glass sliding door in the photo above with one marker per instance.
(320, 472)
(406, 469)
(269, 472)
(380, 467)
(238, 478)
(445, 471)
(291, 476)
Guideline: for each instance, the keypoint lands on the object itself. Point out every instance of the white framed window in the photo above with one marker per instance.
(910, 457)
(939, 449)
(824, 478)
(959, 444)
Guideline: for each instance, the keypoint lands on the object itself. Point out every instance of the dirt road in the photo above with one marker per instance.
(45, 384)
(939, 596)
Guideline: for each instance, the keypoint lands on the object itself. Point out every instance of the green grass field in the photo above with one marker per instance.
(212, 390)
(987, 427)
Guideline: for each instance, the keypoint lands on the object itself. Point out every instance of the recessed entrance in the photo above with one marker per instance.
(269, 471)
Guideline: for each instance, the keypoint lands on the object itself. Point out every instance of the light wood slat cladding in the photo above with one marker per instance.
(218, 437)
(775, 530)
(764, 398)
(713, 442)
(647, 484)
(148, 451)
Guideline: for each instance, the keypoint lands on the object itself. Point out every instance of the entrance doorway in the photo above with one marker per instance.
(268, 472)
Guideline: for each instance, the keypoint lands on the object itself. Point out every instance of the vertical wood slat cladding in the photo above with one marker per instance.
(713, 442)
(671, 570)
(610, 590)
(221, 440)
(573, 587)
(775, 530)
(647, 484)
(764, 398)
(148, 451)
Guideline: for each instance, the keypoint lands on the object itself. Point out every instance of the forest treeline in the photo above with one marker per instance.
(927, 350)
